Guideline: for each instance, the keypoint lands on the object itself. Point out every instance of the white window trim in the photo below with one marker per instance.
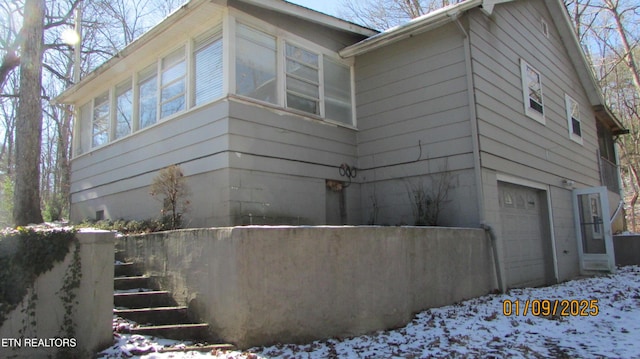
(544, 27)
(534, 114)
(282, 38)
(568, 100)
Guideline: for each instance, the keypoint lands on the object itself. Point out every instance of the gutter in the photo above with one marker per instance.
(416, 26)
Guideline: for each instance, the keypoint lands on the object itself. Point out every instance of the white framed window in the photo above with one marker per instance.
(148, 96)
(302, 79)
(544, 27)
(256, 64)
(207, 64)
(573, 119)
(124, 109)
(337, 91)
(101, 120)
(173, 83)
(532, 92)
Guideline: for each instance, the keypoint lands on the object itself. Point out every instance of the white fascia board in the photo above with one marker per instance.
(307, 14)
(418, 25)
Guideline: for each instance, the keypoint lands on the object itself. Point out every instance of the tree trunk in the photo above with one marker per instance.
(26, 208)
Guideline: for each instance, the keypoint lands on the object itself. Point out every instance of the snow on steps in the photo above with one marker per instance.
(154, 311)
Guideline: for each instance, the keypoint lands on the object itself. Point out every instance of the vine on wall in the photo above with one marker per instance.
(25, 254)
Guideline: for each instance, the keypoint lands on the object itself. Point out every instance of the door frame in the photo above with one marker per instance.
(590, 262)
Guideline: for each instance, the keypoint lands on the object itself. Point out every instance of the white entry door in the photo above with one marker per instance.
(595, 240)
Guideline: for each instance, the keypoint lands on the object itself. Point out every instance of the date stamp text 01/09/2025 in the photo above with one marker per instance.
(550, 307)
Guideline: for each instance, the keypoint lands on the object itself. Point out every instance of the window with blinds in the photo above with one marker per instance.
(207, 63)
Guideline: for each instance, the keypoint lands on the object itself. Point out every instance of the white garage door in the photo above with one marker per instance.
(523, 235)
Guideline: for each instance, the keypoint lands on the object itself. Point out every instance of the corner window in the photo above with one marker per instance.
(173, 87)
(532, 92)
(573, 119)
(100, 129)
(207, 61)
(148, 96)
(337, 92)
(124, 109)
(256, 64)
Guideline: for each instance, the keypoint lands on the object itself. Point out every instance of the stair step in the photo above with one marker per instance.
(197, 348)
(124, 283)
(150, 299)
(155, 316)
(126, 270)
(198, 331)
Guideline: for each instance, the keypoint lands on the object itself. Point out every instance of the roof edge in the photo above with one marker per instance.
(418, 25)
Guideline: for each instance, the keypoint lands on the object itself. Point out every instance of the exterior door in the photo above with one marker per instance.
(593, 228)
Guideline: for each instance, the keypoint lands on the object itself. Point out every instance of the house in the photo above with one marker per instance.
(281, 115)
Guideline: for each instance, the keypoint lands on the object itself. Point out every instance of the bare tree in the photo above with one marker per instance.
(384, 14)
(610, 34)
(26, 198)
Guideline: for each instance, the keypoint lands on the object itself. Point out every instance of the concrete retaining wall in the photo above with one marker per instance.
(263, 285)
(627, 249)
(92, 315)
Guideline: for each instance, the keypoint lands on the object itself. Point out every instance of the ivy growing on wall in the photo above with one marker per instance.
(25, 254)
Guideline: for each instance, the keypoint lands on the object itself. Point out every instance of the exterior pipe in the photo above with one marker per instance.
(494, 248)
(475, 139)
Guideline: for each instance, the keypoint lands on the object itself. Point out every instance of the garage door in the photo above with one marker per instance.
(523, 235)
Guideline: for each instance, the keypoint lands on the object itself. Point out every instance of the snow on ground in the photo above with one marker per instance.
(475, 328)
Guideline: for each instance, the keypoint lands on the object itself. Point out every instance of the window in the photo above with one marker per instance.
(302, 80)
(172, 91)
(544, 27)
(207, 60)
(532, 92)
(148, 96)
(337, 92)
(256, 64)
(124, 109)
(100, 129)
(573, 119)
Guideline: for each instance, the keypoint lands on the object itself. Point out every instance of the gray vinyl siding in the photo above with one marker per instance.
(280, 162)
(125, 169)
(412, 106)
(511, 142)
(327, 37)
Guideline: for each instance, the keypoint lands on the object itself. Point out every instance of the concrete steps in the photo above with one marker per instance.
(155, 311)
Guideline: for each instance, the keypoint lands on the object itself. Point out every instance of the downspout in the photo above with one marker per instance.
(475, 139)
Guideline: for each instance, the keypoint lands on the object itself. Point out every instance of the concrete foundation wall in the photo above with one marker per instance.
(627, 249)
(263, 285)
(92, 315)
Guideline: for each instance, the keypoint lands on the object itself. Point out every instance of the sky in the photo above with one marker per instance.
(326, 6)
